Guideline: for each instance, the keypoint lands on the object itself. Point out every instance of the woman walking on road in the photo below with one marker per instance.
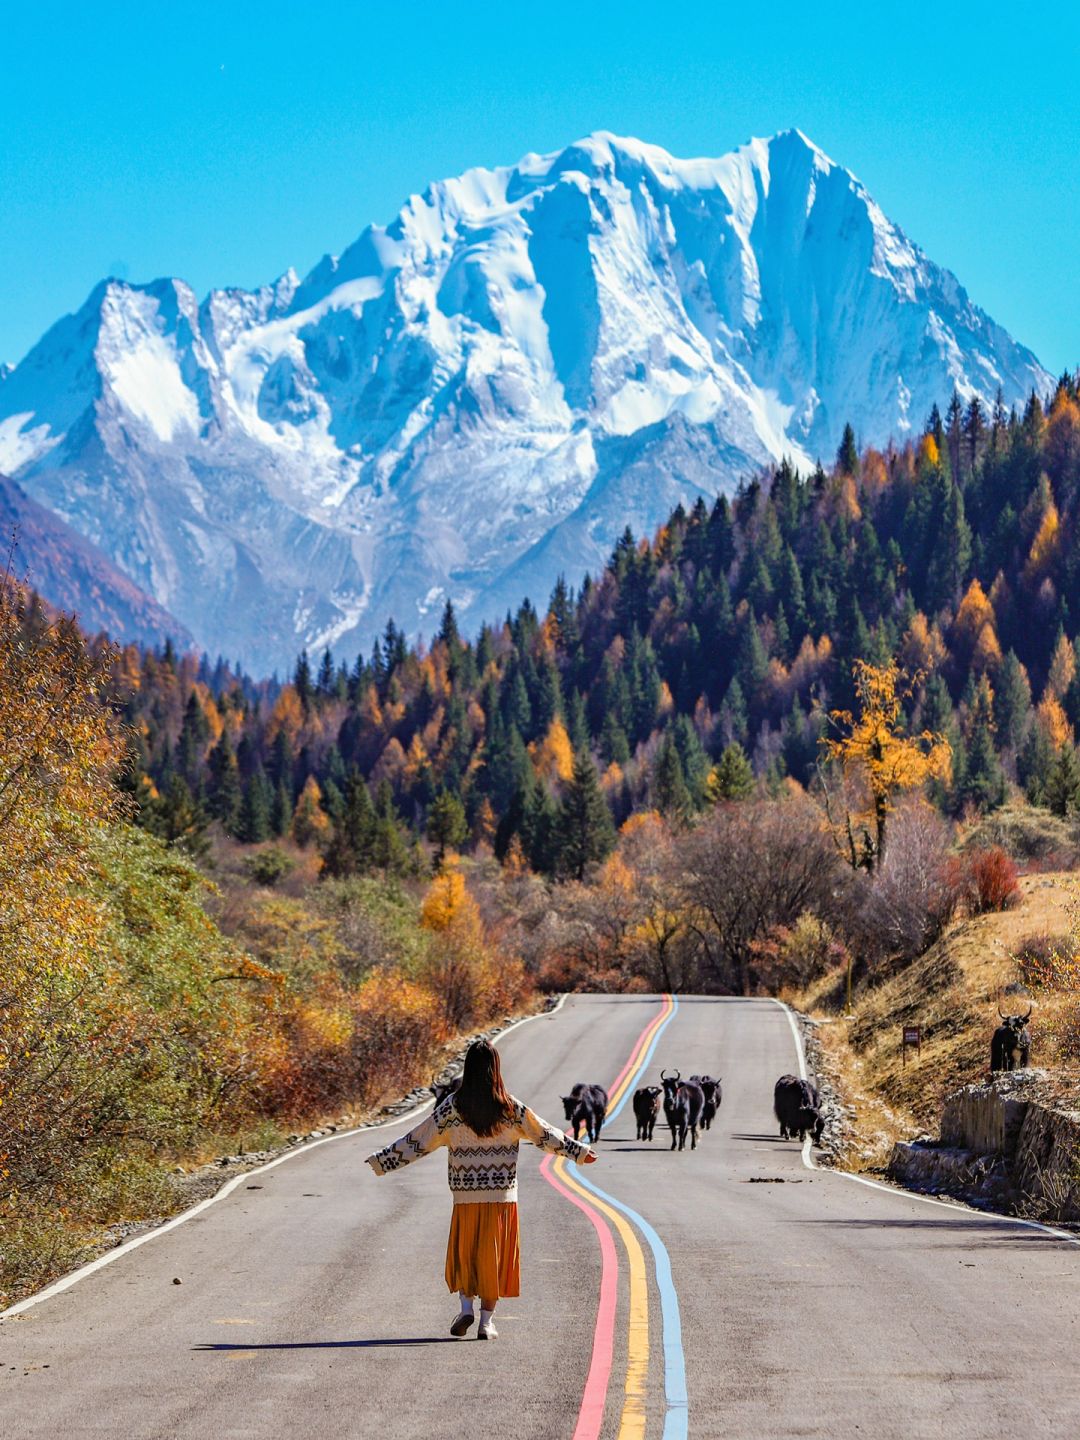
(481, 1125)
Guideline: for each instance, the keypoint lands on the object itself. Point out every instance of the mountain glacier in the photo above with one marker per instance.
(485, 393)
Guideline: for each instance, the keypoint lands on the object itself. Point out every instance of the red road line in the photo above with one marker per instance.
(591, 1413)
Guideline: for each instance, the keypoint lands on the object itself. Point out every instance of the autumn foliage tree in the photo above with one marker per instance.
(873, 750)
(57, 754)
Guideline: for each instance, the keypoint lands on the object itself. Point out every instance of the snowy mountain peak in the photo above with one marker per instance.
(484, 392)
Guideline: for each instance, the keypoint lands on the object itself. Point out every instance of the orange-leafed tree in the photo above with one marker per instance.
(311, 824)
(879, 760)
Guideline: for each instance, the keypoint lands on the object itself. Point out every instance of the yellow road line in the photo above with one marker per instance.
(632, 1422)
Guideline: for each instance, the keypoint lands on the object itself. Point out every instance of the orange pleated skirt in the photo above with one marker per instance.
(483, 1253)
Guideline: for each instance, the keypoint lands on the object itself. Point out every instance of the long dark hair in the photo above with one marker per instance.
(483, 1101)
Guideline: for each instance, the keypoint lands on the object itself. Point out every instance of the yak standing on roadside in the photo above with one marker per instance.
(1010, 1044)
(646, 1109)
(683, 1103)
(797, 1107)
(586, 1105)
(713, 1095)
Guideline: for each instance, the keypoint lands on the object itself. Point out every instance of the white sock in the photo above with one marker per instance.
(485, 1315)
(466, 1303)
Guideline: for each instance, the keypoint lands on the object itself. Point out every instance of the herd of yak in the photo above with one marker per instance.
(690, 1105)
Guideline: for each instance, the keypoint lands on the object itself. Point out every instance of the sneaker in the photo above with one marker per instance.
(462, 1324)
(487, 1331)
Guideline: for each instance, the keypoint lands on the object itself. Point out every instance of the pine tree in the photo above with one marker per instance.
(539, 830)
(577, 723)
(614, 746)
(179, 819)
(302, 680)
(548, 704)
(281, 810)
(225, 789)
(983, 782)
(1034, 764)
(732, 722)
(954, 436)
(193, 736)
(446, 827)
(950, 553)
(253, 825)
(793, 594)
(390, 853)
(1061, 794)
(974, 433)
(752, 664)
(1012, 701)
(585, 833)
(670, 794)
(847, 456)
(281, 763)
(449, 633)
(326, 674)
(351, 849)
(695, 762)
(732, 777)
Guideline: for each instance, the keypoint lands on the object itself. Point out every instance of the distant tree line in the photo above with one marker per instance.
(698, 666)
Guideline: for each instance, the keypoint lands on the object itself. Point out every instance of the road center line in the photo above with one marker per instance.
(677, 1416)
(591, 1413)
(632, 1423)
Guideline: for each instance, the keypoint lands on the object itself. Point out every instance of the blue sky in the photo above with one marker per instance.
(223, 142)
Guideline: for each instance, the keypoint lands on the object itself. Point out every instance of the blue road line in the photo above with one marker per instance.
(643, 1062)
(677, 1418)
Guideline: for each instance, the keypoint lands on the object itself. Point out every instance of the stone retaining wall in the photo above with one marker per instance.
(1013, 1143)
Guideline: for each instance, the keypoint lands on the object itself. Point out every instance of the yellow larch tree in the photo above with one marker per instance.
(922, 649)
(1062, 667)
(1052, 718)
(1044, 546)
(873, 751)
(311, 824)
(553, 757)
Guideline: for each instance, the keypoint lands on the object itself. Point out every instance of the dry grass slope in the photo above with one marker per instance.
(952, 993)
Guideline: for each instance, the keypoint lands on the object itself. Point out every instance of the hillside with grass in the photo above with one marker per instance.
(1016, 947)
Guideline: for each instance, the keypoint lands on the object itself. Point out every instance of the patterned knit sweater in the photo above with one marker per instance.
(482, 1168)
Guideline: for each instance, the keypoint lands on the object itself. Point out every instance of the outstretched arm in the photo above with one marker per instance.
(546, 1137)
(422, 1140)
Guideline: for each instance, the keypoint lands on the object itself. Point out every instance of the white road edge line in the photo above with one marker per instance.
(67, 1281)
(895, 1190)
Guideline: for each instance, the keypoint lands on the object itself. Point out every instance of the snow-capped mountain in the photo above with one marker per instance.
(72, 575)
(484, 393)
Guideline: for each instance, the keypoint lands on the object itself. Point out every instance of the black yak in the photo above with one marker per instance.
(797, 1107)
(586, 1105)
(1010, 1044)
(683, 1102)
(713, 1094)
(646, 1109)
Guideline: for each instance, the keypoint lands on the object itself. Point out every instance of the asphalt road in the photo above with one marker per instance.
(313, 1304)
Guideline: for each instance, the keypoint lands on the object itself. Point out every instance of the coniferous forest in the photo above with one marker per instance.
(703, 659)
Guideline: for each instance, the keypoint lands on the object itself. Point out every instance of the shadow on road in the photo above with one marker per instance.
(776, 1139)
(332, 1344)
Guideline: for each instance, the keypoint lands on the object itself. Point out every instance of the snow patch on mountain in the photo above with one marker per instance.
(485, 392)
